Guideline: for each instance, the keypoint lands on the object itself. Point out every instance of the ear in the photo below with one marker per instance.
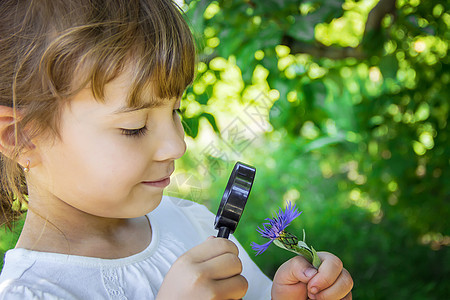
(8, 120)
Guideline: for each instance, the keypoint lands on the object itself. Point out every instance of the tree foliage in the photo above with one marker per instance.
(362, 109)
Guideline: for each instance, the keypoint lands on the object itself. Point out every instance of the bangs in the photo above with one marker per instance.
(148, 38)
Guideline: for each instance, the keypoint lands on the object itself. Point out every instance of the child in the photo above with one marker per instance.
(89, 131)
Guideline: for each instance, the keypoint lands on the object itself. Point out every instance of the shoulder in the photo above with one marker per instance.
(183, 205)
(177, 209)
(186, 216)
(21, 279)
(29, 274)
(15, 289)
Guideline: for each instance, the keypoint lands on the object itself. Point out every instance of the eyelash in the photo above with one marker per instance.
(142, 131)
(135, 132)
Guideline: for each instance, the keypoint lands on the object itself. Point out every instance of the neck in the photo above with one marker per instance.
(65, 229)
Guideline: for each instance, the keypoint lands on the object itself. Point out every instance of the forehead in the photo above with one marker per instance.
(129, 91)
(134, 93)
(117, 98)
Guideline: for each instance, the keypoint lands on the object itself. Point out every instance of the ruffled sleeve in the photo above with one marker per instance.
(259, 284)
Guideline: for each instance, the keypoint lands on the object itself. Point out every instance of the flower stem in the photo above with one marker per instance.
(291, 243)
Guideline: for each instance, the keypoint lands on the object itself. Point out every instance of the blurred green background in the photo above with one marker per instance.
(343, 108)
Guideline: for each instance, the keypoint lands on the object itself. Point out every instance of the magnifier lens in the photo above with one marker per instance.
(234, 199)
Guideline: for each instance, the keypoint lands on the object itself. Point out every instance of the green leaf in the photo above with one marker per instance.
(316, 262)
(268, 36)
(202, 98)
(323, 142)
(302, 249)
(194, 15)
(303, 28)
(211, 121)
(389, 66)
(191, 126)
(230, 40)
(305, 252)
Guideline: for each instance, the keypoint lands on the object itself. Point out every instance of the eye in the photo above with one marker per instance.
(177, 112)
(135, 132)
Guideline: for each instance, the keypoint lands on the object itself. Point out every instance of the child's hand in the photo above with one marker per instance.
(210, 270)
(297, 279)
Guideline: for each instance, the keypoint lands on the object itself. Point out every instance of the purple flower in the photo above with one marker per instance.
(275, 228)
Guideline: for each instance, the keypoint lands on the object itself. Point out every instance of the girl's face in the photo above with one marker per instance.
(111, 161)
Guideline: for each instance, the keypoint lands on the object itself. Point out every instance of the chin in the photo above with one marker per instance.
(151, 204)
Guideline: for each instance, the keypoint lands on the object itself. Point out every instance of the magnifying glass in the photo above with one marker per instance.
(234, 199)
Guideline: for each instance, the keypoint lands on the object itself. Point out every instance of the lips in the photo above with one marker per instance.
(162, 182)
(161, 179)
(159, 183)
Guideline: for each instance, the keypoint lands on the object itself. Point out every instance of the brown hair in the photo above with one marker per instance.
(45, 44)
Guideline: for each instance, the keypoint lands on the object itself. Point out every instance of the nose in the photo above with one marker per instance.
(170, 143)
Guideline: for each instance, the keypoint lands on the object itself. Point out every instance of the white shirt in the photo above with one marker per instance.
(177, 226)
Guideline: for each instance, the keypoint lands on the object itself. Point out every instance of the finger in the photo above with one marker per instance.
(348, 297)
(223, 266)
(295, 270)
(288, 292)
(290, 280)
(328, 272)
(231, 288)
(211, 248)
(339, 290)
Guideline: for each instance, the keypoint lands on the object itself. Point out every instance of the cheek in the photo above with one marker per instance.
(115, 164)
(105, 164)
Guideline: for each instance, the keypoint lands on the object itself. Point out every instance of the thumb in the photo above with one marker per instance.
(290, 281)
(295, 270)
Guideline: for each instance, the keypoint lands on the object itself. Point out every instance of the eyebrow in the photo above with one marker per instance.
(127, 109)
